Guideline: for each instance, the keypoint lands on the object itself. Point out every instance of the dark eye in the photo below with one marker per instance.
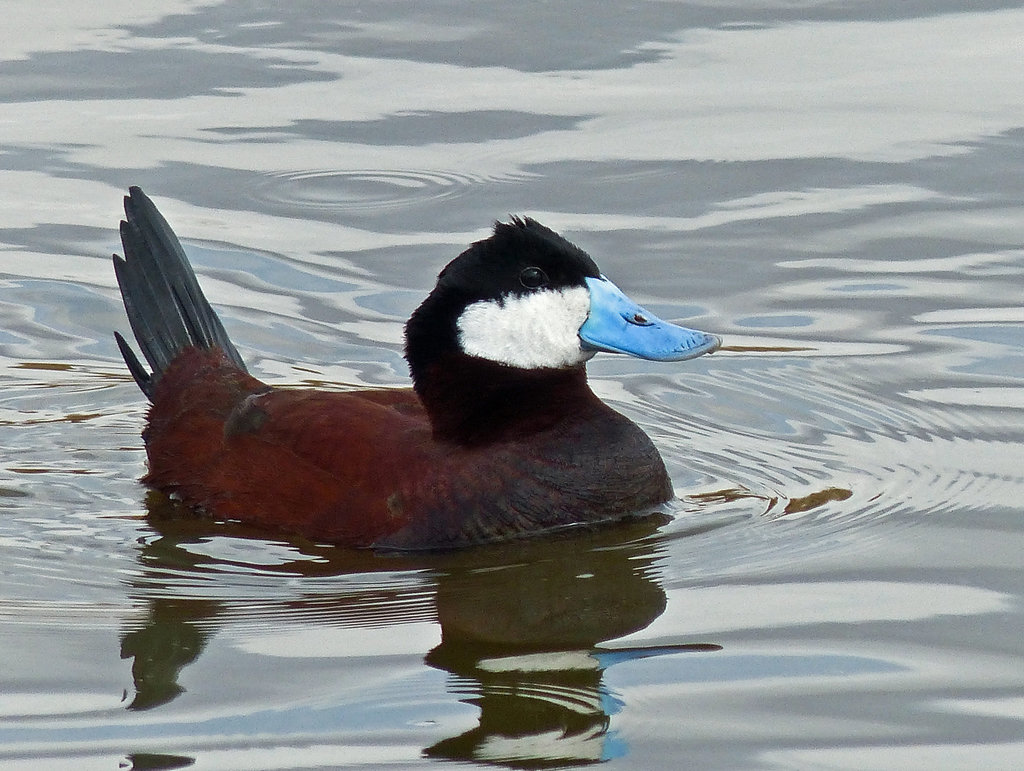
(533, 278)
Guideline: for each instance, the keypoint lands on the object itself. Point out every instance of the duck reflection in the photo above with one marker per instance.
(521, 625)
(522, 640)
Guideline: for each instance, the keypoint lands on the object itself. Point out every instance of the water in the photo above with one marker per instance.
(836, 190)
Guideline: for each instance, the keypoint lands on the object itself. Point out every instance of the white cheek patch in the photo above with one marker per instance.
(539, 329)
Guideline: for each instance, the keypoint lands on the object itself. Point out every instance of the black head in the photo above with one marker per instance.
(500, 277)
(521, 256)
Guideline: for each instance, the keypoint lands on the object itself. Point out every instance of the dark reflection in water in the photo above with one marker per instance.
(149, 761)
(521, 626)
(169, 640)
(522, 641)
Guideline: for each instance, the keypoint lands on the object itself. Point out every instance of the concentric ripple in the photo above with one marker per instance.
(846, 450)
(359, 191)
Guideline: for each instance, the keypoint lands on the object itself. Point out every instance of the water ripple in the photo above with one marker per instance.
(368, 191)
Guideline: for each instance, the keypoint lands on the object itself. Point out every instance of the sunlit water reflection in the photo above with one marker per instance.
(834, 191)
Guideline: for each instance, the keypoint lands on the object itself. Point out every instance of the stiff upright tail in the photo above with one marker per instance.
(166, 308)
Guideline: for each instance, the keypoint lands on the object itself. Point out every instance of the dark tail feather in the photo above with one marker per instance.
(166, 308)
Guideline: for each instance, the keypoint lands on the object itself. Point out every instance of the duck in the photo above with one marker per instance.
(499, 437)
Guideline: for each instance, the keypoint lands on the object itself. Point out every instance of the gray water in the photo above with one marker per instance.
(836, 189)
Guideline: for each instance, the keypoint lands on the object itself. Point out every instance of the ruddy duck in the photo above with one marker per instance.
(500, 436)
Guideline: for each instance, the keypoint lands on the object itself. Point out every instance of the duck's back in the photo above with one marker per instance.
(364, 468)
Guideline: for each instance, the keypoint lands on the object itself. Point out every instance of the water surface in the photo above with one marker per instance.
(834, 190)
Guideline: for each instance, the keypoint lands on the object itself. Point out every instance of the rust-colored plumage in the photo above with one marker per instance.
(478, 451)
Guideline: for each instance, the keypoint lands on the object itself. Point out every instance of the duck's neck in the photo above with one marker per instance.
(474, 401)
